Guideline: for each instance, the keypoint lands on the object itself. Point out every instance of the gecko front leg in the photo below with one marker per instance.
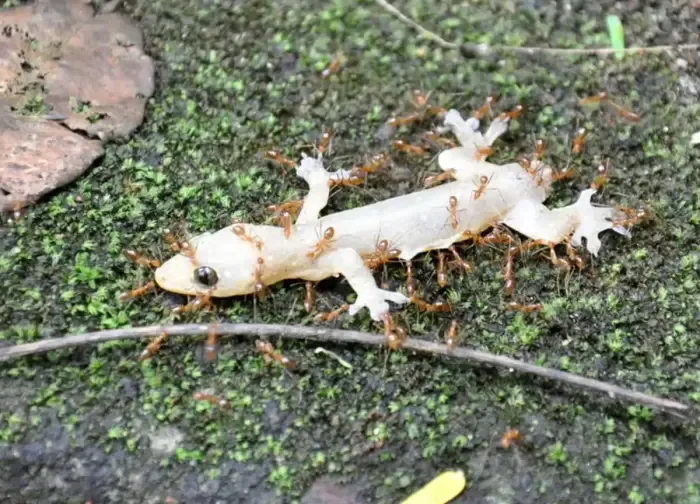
(319, 181)
(349, 263)
(475, 146)
(312, 171)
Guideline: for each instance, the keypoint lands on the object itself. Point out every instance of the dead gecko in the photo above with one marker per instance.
(244, 258)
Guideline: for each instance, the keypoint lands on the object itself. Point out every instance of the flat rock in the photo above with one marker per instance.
(83, 72)
(38, 156)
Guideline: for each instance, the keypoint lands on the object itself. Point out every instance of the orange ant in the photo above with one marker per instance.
(437, 307)
(453, 212)
(309, 296)
(281, 160)
(330, 316)
(563, 174)
(259, 285)
(182, 247)
(410, 282)
(495, 236)
(437, 179)
(140, 259)
(293, 207)
(172, 241)
(579, 140)
(481, 112)
(402, 146)
(382, 255)
(153, 347)
(525, 308)
(346, 182)
(435, 137)
(216, 401)
(419, 101)
(377, 162)
(393, 333)
(186, 250)
(602, 179)
(322, 245)
(539, 149)
(441, 270)
(603, 97)
(513, 114)
(210, 347)
(239, 231)
(509, 272)
(198, 303)
(632, 216)
(451, 336)
(285, 219)
(511, 437)
(483, 152)
(333, 67)
(526, 163)
(271, 355)
(138, 292)
(325, 142)
(573, 256)
(483, 183)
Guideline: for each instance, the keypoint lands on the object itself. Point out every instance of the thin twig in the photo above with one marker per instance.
(330, 335)
(480, 50)
(424, 32)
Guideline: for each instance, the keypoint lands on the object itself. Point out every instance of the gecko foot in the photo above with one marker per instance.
(376, 302)
(593, 221)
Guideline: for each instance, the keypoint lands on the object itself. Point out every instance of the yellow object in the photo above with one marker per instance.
(441, 490)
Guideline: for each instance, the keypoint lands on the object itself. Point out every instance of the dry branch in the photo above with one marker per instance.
(330, 335)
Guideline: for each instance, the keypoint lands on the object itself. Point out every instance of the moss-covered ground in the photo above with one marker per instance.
(238, 78)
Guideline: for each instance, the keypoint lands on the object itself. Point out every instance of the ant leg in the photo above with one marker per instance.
(573, 256)
(414, 299)
(467, 267)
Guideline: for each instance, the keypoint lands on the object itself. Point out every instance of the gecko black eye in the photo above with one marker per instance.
(206, 276)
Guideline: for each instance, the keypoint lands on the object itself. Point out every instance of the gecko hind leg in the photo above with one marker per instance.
(567, 225)
(349, 263)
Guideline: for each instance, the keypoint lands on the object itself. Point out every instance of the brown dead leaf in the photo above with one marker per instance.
(37, 156)
(64, 65)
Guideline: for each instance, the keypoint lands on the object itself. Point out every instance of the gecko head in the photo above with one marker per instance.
(221, 265)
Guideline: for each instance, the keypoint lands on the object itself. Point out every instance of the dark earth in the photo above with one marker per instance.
(234, 79)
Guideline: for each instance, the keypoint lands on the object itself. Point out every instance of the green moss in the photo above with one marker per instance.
(391, 421)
